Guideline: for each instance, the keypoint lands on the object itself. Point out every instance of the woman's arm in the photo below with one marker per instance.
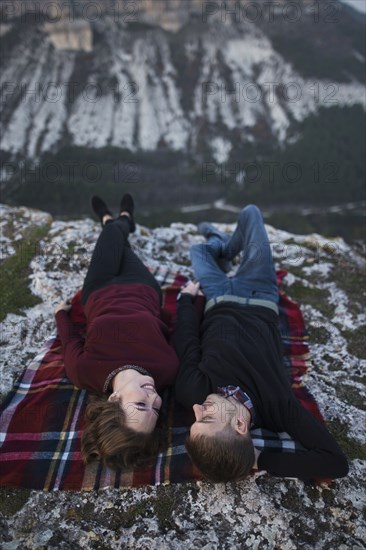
(72, 342)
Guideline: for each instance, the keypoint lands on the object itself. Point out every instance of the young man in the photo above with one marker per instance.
(231, 367)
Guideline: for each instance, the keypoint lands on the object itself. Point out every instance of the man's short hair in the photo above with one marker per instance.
(227, 456)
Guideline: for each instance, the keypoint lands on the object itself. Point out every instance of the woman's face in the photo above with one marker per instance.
(139, 400)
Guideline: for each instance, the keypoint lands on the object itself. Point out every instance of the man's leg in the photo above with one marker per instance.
(256, 275)
(209, 231)
(213, 280)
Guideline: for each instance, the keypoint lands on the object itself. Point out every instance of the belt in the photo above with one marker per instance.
(241, 300)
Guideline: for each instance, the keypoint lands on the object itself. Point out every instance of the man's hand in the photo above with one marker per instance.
(65, 306)
(193, 289)
(256, 455)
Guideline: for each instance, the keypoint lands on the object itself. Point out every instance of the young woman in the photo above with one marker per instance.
(125, 357)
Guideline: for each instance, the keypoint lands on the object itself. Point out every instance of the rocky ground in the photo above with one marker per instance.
(43, 261)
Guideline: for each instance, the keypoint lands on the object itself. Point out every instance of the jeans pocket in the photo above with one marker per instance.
(265, 295)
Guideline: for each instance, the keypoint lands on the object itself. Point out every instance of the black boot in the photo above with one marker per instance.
(100, 208)
(127, 205)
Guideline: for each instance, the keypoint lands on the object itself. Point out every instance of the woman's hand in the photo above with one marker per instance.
(65, 306)
(193, 289)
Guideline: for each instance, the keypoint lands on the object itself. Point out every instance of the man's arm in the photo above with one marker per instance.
(192, 385)
(323, 457)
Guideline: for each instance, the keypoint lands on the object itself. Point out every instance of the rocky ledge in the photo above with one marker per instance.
(43, 261)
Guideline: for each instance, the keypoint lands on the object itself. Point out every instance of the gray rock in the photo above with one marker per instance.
(326, 277)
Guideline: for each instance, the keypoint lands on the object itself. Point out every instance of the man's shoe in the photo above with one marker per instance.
(208, 230)
(127, 205)
(100, 208)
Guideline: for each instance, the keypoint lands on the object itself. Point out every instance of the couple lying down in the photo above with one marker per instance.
(228, 368)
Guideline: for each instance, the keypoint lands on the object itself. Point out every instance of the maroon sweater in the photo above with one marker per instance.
(124, 326)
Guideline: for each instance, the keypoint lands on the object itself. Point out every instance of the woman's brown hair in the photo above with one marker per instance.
(106, 437)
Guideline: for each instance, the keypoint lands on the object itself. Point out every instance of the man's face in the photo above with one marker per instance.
(213, 416)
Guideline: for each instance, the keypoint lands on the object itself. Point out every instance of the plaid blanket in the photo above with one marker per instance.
(42, 417)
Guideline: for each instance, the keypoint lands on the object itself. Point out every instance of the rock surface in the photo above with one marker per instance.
(75, 36)
(124, 81)
(326, 276)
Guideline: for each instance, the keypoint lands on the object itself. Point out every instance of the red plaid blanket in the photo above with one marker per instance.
(42, 417)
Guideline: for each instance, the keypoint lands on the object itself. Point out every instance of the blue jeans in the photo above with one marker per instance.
(256, 275)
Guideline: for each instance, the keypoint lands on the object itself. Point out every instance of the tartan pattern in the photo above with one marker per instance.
(42, 417)
(237, 393)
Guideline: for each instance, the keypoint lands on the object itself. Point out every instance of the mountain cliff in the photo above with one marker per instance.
(221, 78)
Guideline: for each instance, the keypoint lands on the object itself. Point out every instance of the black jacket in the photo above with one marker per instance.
(241, 345)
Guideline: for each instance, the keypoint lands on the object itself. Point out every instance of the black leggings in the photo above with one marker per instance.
(113, 261)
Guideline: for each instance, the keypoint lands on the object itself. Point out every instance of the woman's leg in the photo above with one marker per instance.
(256, 275)
(114, 261)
